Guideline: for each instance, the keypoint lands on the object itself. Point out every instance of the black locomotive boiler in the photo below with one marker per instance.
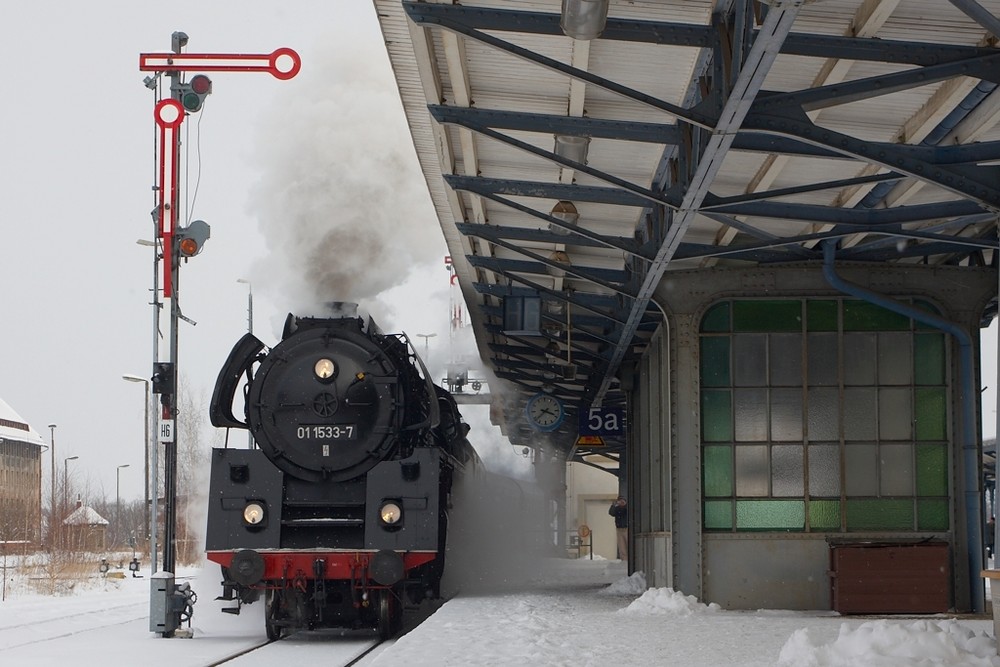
(338, 515)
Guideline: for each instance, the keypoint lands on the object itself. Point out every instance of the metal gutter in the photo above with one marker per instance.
(967, 392)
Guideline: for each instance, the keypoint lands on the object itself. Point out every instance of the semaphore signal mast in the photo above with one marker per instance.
(170, 604)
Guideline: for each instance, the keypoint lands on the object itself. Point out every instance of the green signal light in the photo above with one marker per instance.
(191, 101)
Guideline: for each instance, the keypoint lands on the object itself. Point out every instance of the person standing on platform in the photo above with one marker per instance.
(619, 510)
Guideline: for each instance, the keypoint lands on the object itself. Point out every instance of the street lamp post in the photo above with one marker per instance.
(150, 525)
(249, 285)
(118, 502)
(52, 500)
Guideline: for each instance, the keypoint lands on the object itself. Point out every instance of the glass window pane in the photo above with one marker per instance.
(824, 415)
(895, 358)
(717, 464)
(880, 514)
(750, 416)
(824, 471)
(760, 315)
(824, 515)
(750, 360)
(929, 358)
(785, 360)
(752, 470)
(931, 408)
(859, 358)
(821, 315)
(822, 359)
(859, 413)
(770, 515)
(896, 470)
(718, 515)
(715, 361)
(932, 470)
(861, 470)
(932, 514)
(716, 415)
(864, 316)
(716, 319)
(787, 471)
(786, 415)
(895, 414)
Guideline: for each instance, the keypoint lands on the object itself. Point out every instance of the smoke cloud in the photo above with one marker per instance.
(341, 202)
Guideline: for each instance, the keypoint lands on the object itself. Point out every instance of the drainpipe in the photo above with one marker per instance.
(970, 453)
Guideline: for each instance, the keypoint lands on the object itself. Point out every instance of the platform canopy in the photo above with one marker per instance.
(678, 134)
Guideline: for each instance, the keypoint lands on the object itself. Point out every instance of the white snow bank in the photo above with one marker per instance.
(883, 644)
(634, 584)
(669, 601)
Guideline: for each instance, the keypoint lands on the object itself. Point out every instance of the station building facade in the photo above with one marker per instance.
(20, 480)
(778, 419)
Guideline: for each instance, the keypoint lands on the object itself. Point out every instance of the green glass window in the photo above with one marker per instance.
(879, 514)
(716, 415)
(759, 315)
(864, 316)
(826, 415)
(717, 464)
(716, 318)
(770, 515)
(715, 361)
(822, 315)
(929, 358)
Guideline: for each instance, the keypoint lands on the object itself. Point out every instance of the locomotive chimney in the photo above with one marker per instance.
(342, 308)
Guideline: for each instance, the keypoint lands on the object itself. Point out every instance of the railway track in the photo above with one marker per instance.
(336, 650)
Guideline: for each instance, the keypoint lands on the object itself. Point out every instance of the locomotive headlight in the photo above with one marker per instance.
(325, 369)
(391, 513)
(253, 514)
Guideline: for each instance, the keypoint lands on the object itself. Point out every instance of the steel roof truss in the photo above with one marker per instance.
(613, 279)
(758, 61)
(462, 19)
(587, 193)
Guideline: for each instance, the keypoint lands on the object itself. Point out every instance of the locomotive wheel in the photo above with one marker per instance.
(272, 603)
(390, 613)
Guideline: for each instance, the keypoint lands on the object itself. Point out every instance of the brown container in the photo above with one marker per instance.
(890, 578)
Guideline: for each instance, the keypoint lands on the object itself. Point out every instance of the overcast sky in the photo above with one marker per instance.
(289, 170)
(286, 171)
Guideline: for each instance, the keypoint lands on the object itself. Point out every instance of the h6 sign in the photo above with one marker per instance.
(604, 421)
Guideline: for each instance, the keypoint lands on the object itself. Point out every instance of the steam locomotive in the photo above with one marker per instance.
(339, 514)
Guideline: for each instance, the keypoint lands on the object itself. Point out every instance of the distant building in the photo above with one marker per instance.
(20, 479)
(85, 529)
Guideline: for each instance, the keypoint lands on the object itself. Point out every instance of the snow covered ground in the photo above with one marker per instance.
(577, 613)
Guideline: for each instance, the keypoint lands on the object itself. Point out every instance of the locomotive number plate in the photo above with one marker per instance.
(327, 432)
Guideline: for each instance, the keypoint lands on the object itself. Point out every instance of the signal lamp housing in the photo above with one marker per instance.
(194, 92)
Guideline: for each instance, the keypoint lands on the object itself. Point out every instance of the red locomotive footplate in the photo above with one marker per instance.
(339, 564)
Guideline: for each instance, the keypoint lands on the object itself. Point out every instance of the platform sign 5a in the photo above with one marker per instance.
(608, 421)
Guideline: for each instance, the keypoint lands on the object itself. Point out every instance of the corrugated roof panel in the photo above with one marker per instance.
(501, 81)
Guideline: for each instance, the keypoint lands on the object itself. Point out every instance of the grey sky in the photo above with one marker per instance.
(288, 156)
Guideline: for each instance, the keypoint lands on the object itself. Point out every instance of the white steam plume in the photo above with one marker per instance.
(342, 203)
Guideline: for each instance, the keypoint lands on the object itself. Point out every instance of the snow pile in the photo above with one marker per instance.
(634, 584)
(669, 601)
(882, 644)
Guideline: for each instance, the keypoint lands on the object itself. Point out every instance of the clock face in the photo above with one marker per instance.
(545, 412)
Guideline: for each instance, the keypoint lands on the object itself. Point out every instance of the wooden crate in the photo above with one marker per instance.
(890, 578)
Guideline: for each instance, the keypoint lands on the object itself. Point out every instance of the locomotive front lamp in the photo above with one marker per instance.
(325, 370)
(390, 513)
(253, 514)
